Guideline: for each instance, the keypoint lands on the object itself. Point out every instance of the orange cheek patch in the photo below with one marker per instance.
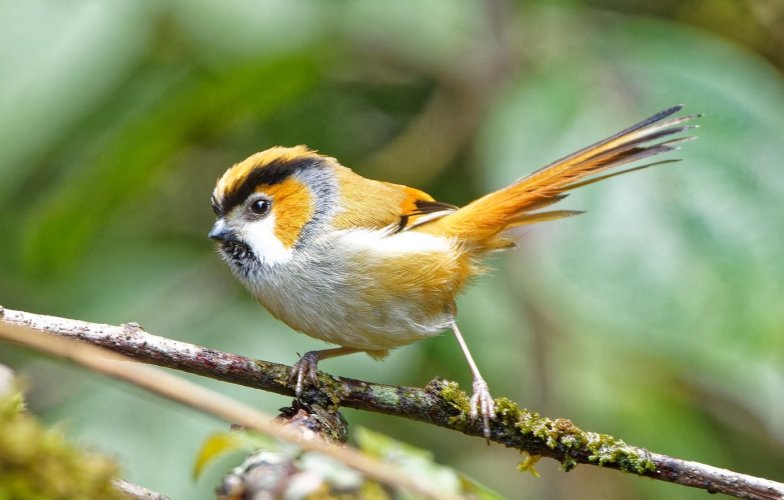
(292, 206)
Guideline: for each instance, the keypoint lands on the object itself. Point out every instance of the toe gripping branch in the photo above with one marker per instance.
(306, 366)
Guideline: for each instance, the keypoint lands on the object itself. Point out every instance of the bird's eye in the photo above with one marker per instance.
(260, 207)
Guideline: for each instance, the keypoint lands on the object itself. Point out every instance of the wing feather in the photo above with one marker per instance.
(370, 204)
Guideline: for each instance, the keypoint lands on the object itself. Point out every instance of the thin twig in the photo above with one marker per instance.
(439, 404)
(132, 490)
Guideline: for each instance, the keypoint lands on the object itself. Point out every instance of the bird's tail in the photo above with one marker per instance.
(482, 222)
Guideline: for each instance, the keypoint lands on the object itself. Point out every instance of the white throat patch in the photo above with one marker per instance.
(260, 235)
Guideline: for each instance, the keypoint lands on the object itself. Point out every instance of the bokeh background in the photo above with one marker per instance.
(657, 317)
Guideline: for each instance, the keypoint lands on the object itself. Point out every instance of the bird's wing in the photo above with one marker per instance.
(418, 208)
(369, 204)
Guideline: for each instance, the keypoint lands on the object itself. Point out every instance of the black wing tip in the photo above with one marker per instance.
(674, 109)
(656, 118)
(665, 113)
(671, 111)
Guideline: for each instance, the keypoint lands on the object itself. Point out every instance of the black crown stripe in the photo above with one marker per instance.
(270, 174)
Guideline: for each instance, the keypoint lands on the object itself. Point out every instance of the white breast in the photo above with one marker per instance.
(383, 243)
(327, 291)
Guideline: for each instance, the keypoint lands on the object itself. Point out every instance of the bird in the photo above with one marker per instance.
(370, 266)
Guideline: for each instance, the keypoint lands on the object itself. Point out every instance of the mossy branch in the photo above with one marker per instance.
(440, 403)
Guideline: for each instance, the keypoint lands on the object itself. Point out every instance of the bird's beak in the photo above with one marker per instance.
(221, 232)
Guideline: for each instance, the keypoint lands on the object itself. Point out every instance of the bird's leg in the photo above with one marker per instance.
(308, 365)
(481, 402)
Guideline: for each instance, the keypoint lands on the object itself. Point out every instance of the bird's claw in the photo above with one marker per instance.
(482, 404)
(307, 365)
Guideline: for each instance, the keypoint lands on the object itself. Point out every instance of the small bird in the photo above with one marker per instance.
(370, 266)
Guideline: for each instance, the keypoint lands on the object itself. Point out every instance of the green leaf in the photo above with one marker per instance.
(221, 444)
(419, 464)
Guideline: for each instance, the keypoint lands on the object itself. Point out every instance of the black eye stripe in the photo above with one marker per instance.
(270, 174)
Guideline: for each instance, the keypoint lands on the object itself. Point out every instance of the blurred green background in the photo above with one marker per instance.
(657, 317)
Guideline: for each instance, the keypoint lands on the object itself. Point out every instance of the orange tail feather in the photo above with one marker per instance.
(482, 222)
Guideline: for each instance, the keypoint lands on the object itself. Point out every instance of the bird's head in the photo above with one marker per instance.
(270, 204)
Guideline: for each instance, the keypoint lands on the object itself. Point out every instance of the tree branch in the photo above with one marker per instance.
(441, 403)
(187, 393)
(135, 491)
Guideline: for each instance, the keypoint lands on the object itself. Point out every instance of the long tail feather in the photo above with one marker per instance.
(580, 184)
(481, 221)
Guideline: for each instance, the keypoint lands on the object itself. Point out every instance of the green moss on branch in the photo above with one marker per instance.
(39, 463)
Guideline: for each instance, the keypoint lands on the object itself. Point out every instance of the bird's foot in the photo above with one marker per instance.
(482, 404)
(307, 366)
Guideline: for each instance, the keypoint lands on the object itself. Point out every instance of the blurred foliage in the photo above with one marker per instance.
(419, 464)
(656, 317)
(271, 466)
(38, 463)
